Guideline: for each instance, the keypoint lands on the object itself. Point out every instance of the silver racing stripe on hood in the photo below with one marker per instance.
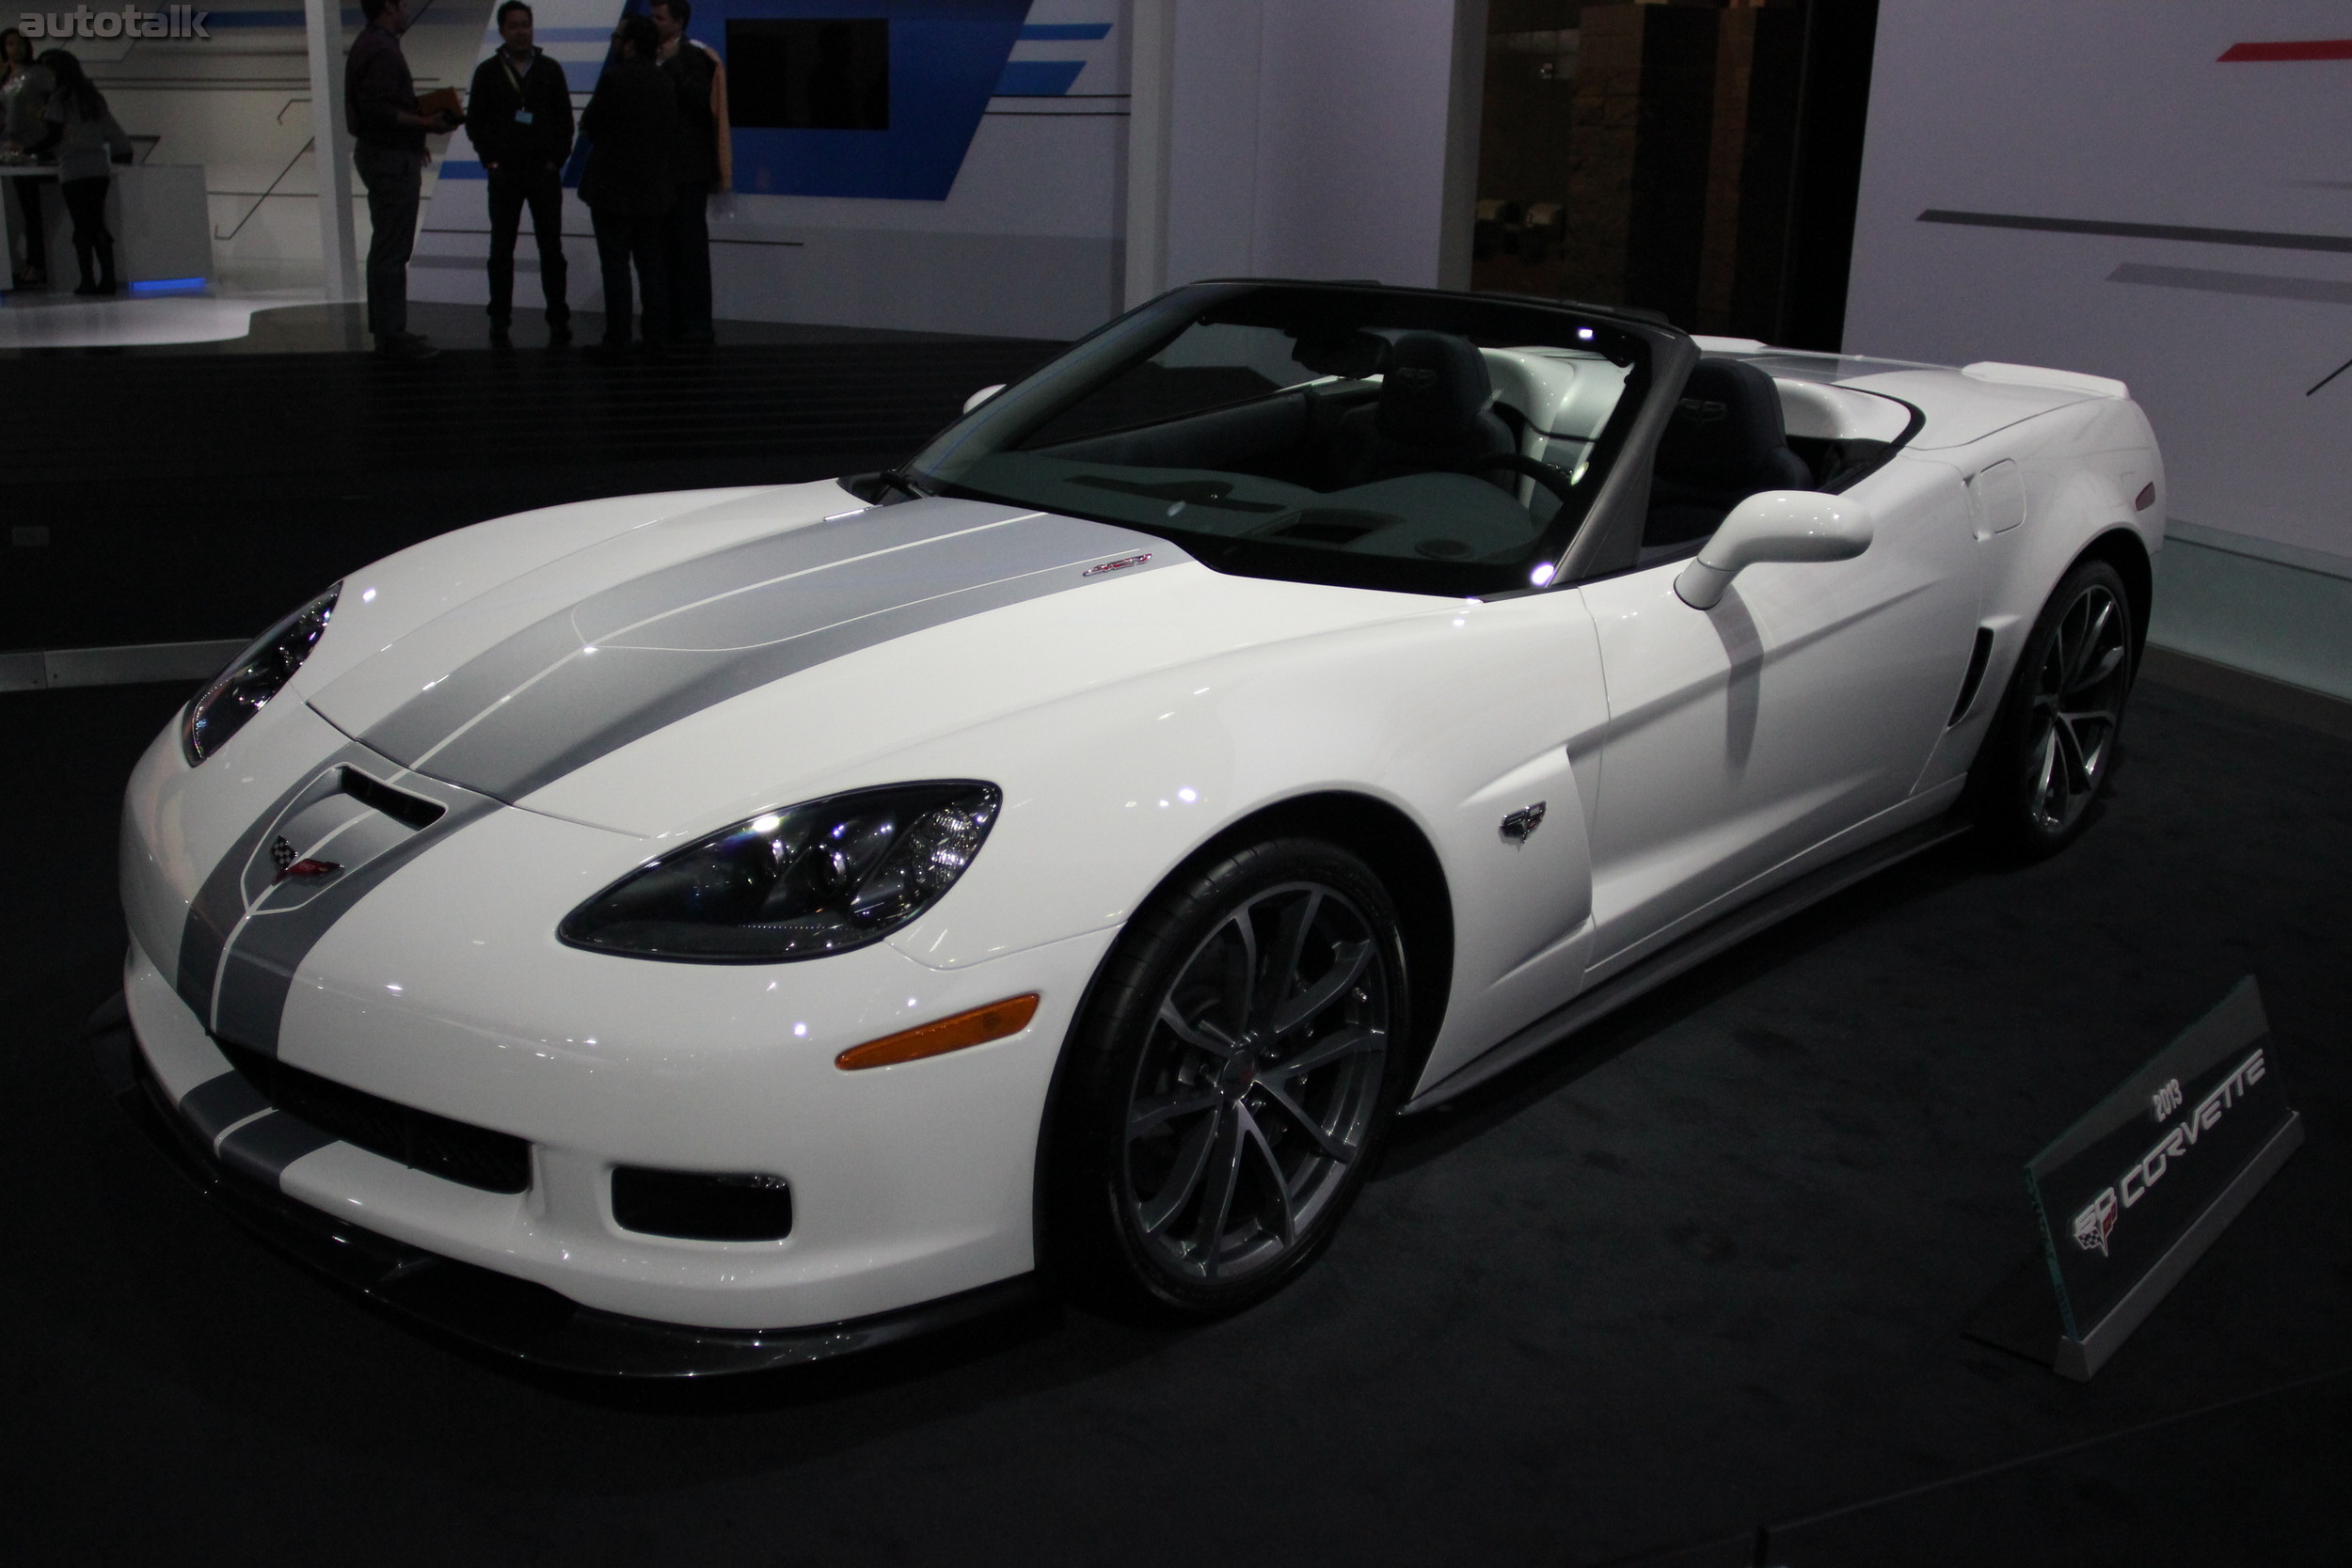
(249, 925)
(637, 656)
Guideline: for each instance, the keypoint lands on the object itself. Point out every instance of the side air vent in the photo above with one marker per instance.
(471, 1156)
(1978, 659)
(416, 811)
(700, 1206)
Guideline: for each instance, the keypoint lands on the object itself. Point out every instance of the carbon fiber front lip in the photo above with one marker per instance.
(496, 1312)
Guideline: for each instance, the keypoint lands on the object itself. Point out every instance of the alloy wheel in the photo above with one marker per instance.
(1259, 1085)
(2078, 705)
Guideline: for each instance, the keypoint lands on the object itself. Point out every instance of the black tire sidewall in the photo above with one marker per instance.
(2000, 779)
(1089, 1249)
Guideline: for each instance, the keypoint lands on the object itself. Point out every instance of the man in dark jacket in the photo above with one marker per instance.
(631, 128)
(693, 70)
(519, 116)
(380, 108)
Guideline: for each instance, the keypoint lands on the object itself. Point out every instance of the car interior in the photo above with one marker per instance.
(1402, 442)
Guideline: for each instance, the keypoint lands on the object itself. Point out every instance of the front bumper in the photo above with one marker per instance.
(481, 1307)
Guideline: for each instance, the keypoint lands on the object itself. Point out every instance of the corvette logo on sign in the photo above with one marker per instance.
(2094, 1224)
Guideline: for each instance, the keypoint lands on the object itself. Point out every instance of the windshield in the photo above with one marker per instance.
(1376, 438)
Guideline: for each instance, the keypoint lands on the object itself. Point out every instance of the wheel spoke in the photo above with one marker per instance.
(2100, 617)
(2069, 747)
(1290, 946)
(1192, 1163)
(1202, 1035)
(2104, 666)
(1322, 1053)
(2046, 778)
(1247, 1004)
(1253, 1136)
(1224, 1176)
(1328, 1146)
(1147, 1114)
(1348, 961)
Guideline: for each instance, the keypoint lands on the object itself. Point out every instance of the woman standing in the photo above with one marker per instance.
(631, 125)
(24, 90)
(88, 143)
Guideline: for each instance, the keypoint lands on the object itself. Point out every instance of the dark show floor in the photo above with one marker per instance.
(175, 495)
(1699, 1273)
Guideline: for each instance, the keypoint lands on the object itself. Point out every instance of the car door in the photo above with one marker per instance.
(1803, 705)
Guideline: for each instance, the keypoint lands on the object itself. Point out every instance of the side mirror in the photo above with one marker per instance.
(982, 396)
(1776, 525)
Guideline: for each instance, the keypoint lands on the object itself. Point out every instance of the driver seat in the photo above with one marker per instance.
(1725, 443)
(1434, 413)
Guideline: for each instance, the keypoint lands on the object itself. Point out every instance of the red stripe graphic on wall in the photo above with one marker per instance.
(2313, 49)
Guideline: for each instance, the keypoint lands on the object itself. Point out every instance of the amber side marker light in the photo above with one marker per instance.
(937, 1039)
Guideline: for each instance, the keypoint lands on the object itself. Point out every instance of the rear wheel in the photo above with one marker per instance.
(2051, 746)
(1230, 1084)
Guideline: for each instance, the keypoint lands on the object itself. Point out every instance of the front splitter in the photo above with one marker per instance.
(498, 1313)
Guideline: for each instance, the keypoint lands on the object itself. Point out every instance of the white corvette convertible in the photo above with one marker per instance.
(701, 931)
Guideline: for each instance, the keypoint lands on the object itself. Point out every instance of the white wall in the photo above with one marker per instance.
(1303, 139)
(1027, 243)
(2123, 111)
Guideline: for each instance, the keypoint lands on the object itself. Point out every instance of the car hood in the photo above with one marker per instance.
(536, 681)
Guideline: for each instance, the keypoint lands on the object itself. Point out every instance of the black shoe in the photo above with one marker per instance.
(87, 288)
(407, 348)
(559, 334)
(500, 338)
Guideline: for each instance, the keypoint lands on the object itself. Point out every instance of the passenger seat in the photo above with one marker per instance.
(1725, 443)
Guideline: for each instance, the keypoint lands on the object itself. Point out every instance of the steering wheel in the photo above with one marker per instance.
(1550, 475)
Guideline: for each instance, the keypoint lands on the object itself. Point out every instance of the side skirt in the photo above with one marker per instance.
(1686, 953)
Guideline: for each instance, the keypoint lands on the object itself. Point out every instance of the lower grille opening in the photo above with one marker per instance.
(472, 1156)
(700, 1206)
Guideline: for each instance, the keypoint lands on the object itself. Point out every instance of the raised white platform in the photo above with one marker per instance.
(58, 318)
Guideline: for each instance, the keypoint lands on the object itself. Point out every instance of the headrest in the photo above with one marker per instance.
(1344, 352)
(1433, 389)
(1727, 422)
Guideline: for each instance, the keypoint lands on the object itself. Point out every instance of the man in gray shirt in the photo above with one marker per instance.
(380, 103)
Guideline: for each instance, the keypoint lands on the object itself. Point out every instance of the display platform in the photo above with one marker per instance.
(1701, 1272)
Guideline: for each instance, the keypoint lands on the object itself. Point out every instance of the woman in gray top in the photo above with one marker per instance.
(24, 90)
(89, 144)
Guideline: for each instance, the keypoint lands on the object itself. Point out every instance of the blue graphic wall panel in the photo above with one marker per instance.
(947, 57)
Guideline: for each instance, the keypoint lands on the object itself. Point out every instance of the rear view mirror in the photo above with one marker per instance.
(1776, 525)
(982, 396)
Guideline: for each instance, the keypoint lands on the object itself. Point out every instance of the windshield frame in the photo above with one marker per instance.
(1011, 416)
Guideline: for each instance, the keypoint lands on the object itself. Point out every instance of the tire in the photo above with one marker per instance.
(1229, 1085)
(2047, 758)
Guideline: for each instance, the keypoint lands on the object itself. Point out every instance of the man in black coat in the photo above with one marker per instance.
(631, 127)
(693, 70)
(520, 115)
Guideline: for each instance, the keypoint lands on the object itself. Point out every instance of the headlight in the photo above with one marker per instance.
(797, 883)
(252, 679)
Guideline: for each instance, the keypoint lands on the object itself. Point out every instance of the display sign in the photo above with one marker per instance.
(2131, 1195)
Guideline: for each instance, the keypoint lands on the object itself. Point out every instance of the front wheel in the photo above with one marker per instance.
(2051, 747)
(1229, 1083)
